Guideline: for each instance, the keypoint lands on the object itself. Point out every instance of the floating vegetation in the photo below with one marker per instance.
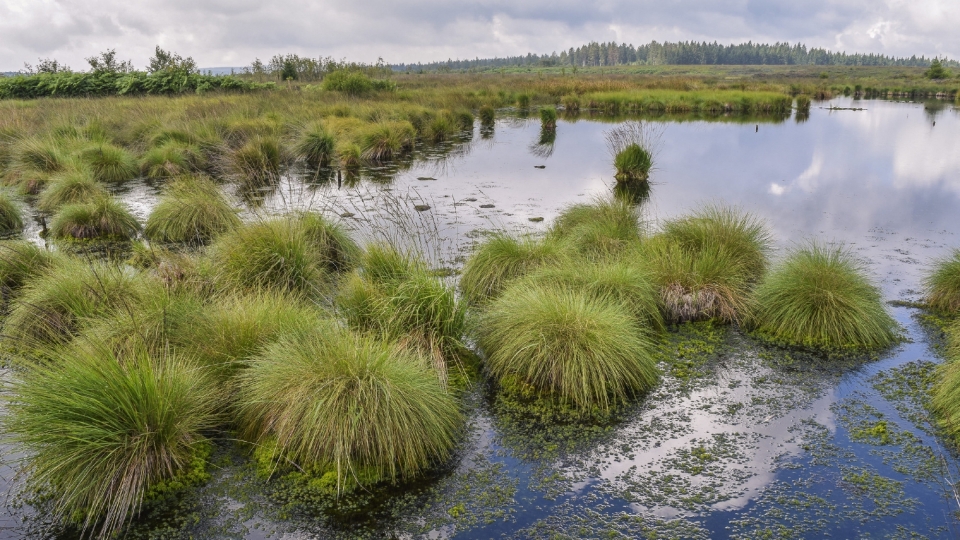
(821, 297)
(942, 285)
(334, 401)
(559, 341)
(102, 432)
(193, 210)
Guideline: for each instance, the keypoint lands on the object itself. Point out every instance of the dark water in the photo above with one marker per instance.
(755, 447)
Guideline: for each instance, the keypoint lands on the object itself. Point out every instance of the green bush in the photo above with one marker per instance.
(355, 83)
(333, 400)
(821, 297)
(582, 349)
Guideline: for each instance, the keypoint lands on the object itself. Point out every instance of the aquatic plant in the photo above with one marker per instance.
(945, 393)
(171, 159)
(192, 210)
(821, 297)
(487, 116)
(386, 140)
(73, 186)
(21, 261)
(742, 235)
(501, 259)
(622, 281)
(803, 105)
(942, 284)
(548, 119)
(333, 400)
(257, 162)
(39, 155)
(99, 431)
(585, 350)
(700, 284)
(55, 304)
(104, 218)
(296, 253)
(11, 213)
(109, 163)
(605, 227)
(633, 163)
(315, 145)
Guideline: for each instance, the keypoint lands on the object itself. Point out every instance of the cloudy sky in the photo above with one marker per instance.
(233, 32)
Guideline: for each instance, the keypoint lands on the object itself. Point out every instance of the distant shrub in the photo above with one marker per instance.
(355, 83)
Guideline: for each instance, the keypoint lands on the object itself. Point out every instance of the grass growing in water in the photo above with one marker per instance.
(945, 398)
(296, 253)
(315, 146)
(942, 285)
(100, 431)
(11, 213)
(192, 210)
(171, 159)
(502, 258)
(585, 350)
(604, 228)
(21, 261)
(821, 297)
(633, 163)
(105, 218)
(487, 116)
(109, 163)
(74, 186)
(335, 400)
(548, 119)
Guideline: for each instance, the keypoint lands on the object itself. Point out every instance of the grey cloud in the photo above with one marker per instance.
(218, 32)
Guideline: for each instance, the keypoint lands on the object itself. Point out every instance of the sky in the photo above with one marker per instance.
(234, 32)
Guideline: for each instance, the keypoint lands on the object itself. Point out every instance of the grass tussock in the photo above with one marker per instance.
(11, 212)
(109, 163)
(395, 297)
(100, 431)
(39, 155)
(945, 394)
(585, 350)
(297, 253)
(256, 162)
(21, 261)
(337, 401)
(75, 186)
(607, 227)
(194, 211)
(103, 219)
(633, 163)
(315, 146)
(942, 285)
(503, 258)
(821, 297)
(548, 119)
(171, 159)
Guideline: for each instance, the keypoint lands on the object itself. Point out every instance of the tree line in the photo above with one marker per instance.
(680, 53)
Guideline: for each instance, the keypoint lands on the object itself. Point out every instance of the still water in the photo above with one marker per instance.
(754, 446)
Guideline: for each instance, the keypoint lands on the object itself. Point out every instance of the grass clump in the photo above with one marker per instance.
(606, 227)
(396, 298)
(297, 253)
(171, 159)
(501, 259)
(945, 393)
(56, 304)
(583, 349)
(633, 163)
(334, 400)
(742, 235)
(105, 219)
(548, 119)
(193, 211)
(821, 297)
(386, 140)
(257, 162)
(942, 285)
(487, 116)
(71, 187)
(109, 163)
(39, 155)
(315, 146)
(21, 261)
(11, 213)
(100, 431)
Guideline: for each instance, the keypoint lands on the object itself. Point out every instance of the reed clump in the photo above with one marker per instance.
(584, 350)
(102, 219)
(503, 258)
(487, 116)
(633, 163)
(632, 145)
(99, 431)
(194, 211)
(820, 297)
(942, 285)
(548, 119)
(336, 401)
